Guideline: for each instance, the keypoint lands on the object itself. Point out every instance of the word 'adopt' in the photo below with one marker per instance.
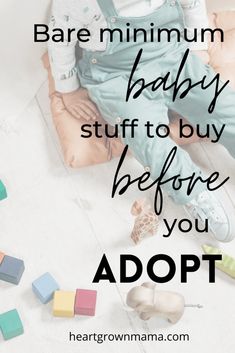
(189, 263)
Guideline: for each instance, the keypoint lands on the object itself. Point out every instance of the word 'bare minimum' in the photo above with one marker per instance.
(153, 34)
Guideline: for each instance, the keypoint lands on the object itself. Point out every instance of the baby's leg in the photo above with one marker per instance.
(150, 152)
(195, 105)
(153, 152)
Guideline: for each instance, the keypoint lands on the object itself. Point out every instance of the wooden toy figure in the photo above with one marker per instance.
(149, 302)
(146, 222)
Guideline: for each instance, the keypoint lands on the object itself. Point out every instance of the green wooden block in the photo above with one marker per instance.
(227, 264)
(3, 191)
(11, 325)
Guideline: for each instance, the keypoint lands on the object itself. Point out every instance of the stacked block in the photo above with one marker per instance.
(11, 325)
(85, 302)
(44, 287)
(63, 304)
(3, 191)
(11, 269)
(68, 304)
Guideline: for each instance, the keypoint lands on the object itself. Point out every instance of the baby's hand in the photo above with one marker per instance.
(79, 104)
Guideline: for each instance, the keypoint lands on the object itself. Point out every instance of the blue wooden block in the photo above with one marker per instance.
(44, 287)
(11, 325)
(11, 269)
(3, 191)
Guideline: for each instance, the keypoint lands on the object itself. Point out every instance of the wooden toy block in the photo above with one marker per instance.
(63, 303)
(11, 325)
(1, 257)
(44, 287)
(11, 269)
(3, 191)
(85, 302)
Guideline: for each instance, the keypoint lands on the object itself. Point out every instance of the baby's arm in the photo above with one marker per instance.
(195, 13)
(62, 55)
(63, 63)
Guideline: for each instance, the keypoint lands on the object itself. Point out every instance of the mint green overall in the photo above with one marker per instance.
(106, 74)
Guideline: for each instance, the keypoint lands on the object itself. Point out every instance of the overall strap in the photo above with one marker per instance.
(107, 7)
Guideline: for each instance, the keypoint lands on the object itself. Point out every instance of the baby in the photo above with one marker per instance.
(96, 84)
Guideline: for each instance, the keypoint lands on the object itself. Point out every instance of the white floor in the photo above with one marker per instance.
(62, 221)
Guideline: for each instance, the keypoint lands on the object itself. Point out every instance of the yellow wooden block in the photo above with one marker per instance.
(63, 303)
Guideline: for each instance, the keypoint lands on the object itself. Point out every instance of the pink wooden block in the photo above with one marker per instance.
(1, 257)
(85, 302)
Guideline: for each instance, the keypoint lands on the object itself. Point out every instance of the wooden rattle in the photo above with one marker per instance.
(146, 221)
(149, 302)
(226, 265)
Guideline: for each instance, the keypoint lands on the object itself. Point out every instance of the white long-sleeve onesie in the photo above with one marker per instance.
(87, 14)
